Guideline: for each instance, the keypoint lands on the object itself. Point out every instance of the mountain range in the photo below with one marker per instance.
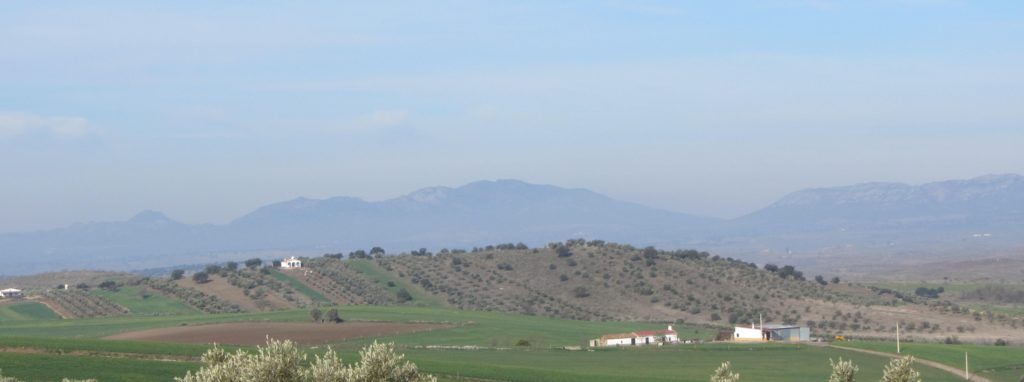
(813, 224)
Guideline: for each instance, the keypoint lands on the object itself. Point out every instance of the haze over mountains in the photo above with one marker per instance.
(865, 219)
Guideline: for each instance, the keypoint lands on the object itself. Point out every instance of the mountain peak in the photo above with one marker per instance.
(149, 216)
(428, 195)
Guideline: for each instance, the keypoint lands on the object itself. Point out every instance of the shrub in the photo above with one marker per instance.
(332, 316)
(404, 295)
(522, 343)
(842, 371)
(724, 374)
(899, 370)
(282, 361)
(316, 314)
(177, 274)
(109, 285)
(580, 292)
(200, 277)
(1001, 342)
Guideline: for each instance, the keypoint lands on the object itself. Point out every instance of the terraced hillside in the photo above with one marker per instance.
(577, 279)
(605, 281)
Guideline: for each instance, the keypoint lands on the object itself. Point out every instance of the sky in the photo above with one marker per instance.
(208, 110)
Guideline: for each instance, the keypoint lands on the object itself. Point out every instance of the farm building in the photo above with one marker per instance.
(643, 337)
(782, 333)
(291, 263)
(11, 293)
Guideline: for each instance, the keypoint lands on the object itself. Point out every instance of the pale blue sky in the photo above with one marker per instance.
(206, 111)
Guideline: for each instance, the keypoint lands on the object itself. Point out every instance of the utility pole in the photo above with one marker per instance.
(897, 338)
(967, 373)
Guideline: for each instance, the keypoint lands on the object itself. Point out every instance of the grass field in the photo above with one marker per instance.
(53, 367)
(789, 363)
(48, 350)
(999, 363)
(26, 311)
(419, 296)
(313, 295)
(149, 303)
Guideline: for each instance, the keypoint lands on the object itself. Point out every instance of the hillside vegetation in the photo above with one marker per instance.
(576, 279)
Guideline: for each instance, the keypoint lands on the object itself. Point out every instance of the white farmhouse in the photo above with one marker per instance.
(643, 337)
(291, 263)
(11, 293)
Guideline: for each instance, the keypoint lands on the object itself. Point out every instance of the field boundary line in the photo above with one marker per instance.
(105, 354)
(937, 365)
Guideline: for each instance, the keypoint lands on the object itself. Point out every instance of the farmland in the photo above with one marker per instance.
(22, 311)
(504, 313)
(44, 350)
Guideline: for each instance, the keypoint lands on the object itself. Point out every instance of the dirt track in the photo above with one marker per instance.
(256, 333)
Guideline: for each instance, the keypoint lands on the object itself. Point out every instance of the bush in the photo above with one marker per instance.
(724, 374)
(404, 295)
(522, 343)
(899, 370)
(316, 314)
(332, 316)
(109, 285)
(1001, 342)
(282, 361)
(580, 292)
(200, 277)
(177, 274)
(842, 371)
(253, 262)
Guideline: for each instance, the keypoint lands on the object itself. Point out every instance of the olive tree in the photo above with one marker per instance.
(724, 374)
(282, 361)
(842, 371)
(899, 370)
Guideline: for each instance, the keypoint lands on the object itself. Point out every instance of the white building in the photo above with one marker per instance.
(291, 263)
(11, 293)
(784, 333)
(643, 337)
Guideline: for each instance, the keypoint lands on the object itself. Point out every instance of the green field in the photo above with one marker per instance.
(999, 363)
(26, 311)
(373, 272)
(313, 295)
(144, 303)
(53, 367)
(50, 348)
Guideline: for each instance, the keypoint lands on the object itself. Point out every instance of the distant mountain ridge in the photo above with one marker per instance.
(870, 204)
(889, 217)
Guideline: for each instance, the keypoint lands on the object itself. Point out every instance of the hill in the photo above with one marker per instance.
(583, 280)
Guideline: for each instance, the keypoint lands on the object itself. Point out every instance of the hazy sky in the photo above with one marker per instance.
(207, 110)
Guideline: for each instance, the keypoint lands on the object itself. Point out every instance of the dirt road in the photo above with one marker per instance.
(944, 367)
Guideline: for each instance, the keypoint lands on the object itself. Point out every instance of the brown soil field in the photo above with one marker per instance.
(256, 333)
